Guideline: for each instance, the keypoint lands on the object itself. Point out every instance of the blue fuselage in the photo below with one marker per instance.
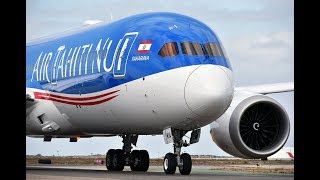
(104, 55)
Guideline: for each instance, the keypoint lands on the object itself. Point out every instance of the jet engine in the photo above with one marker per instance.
(255, 126)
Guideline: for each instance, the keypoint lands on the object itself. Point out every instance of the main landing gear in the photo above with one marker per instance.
(183, 161)
(138, 160)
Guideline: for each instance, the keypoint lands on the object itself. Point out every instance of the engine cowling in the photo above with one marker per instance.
(254, 126)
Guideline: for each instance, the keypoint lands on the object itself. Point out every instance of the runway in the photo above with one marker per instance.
(50, 172)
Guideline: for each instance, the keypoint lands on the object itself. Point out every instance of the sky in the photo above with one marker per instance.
(258, 36)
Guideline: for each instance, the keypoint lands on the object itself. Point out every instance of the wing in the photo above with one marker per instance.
(268, 88)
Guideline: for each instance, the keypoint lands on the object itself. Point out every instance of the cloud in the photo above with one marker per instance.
(262, 58)
(226, 13)
(264, 48)
(274, 40)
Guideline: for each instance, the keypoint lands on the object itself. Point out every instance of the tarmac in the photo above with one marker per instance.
(93, 172)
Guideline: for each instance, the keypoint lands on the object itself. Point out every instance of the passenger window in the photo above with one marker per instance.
(169, 49)
(212, 49)
(191, 48)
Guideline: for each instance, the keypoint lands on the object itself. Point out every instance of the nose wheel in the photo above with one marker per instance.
(186, 166)
(173, 160)
(170, 163)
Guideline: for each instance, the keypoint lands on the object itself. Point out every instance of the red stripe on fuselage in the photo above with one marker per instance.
(39, 95)
(78, 103)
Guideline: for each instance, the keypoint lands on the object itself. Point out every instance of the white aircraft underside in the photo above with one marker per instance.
(141, 107)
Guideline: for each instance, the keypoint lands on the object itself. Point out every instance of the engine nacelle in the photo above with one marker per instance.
(254, 126)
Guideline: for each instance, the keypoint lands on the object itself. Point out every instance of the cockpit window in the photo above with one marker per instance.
(212, 49)
(191, 48)
(169, 49)
(223, 51)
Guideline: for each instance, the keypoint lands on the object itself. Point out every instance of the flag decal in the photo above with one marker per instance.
(144, 46)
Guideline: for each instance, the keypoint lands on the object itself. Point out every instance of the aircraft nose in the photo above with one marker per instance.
(209, 91)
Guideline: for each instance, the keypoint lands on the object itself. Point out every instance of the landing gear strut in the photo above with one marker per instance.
(183, 161)
(138, 160)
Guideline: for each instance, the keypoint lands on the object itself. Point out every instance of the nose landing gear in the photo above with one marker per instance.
(183, 161)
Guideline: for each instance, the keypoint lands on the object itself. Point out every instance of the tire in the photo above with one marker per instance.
(144, 160)
(135, 160)
(170, 163)
(109, 159)
(185, 169)
(118, 160)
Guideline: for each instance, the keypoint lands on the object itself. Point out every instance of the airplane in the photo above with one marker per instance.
(156, 73)
(286, 153)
